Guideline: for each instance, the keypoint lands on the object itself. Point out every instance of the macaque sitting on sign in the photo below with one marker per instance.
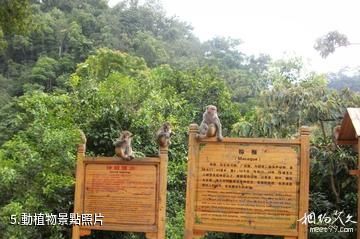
(336, 132)
(163, 135)
(210, 125)
(123, 146)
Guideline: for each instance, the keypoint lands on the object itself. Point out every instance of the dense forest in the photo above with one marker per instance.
(344, 79)
(67, 65)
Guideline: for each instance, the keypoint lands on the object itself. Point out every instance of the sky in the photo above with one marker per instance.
(280, 28)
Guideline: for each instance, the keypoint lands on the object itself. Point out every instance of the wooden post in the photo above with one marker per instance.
(191, 182)
(79, 183)
(163, 190)
(358, 185)
(304, 179)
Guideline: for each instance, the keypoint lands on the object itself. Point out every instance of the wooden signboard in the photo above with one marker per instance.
(130, 195)
(242, 185)
(348, 133)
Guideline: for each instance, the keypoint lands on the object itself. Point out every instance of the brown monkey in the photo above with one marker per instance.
(163, 135)
(123, 146)
(210, 125)
(336, 132)
(82, 136)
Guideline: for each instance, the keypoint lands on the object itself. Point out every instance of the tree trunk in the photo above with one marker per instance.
(323, 129)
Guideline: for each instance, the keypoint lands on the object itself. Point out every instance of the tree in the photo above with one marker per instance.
(151, 49)
(345, 79)
(293, 99)
(44, 73)
(86, 66)
(329, 42)
(109, 92)
(223, 52)
(15, 16)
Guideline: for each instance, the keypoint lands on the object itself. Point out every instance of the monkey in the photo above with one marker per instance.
(163, 135)
(336, 132)
(82, 137)
(123, 146)
(210, 125)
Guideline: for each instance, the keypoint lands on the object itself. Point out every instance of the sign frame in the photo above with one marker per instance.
(195, 230)
(155, 231)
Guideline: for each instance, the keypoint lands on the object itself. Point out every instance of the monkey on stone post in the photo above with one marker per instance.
(163, 135)
(123, 146)
(210, 125)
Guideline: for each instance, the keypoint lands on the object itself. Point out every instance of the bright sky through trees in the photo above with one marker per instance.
(276, 27)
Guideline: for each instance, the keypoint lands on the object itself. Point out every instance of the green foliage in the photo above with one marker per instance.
(150, 48)
(345, 80)
(14, 16)
(110, 91)
(3, 43)
(39, 162)
(293, 100)
(223, 52)
(44, 72)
